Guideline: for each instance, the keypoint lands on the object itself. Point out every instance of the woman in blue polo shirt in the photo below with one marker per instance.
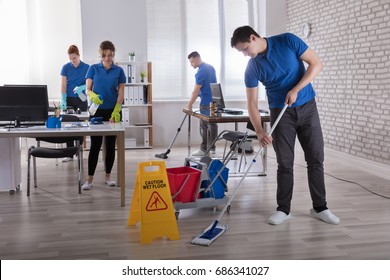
(105, 86)
(277, 62)
(72, 76)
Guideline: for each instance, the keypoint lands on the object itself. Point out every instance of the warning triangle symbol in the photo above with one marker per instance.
(156, 203)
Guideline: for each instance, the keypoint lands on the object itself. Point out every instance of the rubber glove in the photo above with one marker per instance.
(63, 101)
(115, 116)
(79, 89)
(95, 98)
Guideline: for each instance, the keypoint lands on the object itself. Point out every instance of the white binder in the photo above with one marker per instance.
(146, 137)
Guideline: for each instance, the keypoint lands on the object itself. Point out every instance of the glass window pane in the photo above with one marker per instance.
(203, 36)
(165, 48)
(236, 14)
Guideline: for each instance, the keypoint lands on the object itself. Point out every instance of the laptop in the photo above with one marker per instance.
(216, 92)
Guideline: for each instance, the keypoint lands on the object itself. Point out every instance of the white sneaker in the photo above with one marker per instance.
(111, 183)
(278, 217)
(326, 216)
(67, 159)
(198, 153)
(87, 186)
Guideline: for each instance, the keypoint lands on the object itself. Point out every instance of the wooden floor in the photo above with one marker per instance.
(57, 223)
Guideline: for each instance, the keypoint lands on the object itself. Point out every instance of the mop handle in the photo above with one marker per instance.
(250, 165)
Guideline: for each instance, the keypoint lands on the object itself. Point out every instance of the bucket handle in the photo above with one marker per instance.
(181, 187)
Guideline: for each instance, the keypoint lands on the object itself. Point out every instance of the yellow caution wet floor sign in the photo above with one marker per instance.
(152, 203)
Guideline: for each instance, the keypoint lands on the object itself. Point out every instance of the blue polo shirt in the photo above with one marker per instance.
(75, 76)
(279, 70)
(106, 82)
(203, 77)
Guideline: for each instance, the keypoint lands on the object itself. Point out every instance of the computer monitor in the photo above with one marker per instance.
(23, 104)
(216, 93)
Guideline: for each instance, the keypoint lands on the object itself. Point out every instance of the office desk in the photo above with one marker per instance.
(224, 118)
(104, 129)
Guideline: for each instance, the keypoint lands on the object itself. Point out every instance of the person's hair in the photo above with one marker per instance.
(106, 45)
(242, 35)
(73, 49)
(193, 55)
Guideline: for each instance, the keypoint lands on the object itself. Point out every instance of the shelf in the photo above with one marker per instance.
(136, 84)
(139, 126)
(135, 112)
(136, 105)
(124, 62)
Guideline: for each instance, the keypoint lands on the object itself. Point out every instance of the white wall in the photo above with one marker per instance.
(121, 21)
(352, 39)
(275, 17)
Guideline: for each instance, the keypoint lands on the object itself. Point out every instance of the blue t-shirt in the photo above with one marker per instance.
(106, 82)
(279, 70)
(203, 77)
(75, 76)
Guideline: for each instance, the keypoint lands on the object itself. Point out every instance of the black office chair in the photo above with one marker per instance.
(44, 152)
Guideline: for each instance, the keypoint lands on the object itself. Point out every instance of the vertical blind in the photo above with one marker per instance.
(178, 27)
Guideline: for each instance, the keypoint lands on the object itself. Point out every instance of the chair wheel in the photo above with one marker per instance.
(228, 209)
(11, 192)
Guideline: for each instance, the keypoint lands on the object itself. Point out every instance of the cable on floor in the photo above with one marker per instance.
(345, 180)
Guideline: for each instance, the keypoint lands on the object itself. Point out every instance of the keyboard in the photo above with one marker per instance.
(233, 111)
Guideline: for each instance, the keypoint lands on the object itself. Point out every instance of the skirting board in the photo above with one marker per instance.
(373, 167)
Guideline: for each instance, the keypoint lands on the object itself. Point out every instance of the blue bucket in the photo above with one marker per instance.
(219, 184)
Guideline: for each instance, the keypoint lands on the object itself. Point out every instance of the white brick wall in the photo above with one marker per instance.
(352, 37)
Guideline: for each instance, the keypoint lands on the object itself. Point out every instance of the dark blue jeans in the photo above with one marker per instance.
(302, 122)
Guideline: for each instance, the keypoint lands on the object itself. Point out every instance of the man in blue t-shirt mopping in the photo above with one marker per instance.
(277, 62)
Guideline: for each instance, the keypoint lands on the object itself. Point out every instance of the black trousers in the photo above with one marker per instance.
(76, 103)
(302, 122)
(96, 144)
(209, 131)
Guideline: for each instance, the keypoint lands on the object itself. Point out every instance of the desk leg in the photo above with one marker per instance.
(121, 165)
(81, 166)
(208, 144)
(189, 136)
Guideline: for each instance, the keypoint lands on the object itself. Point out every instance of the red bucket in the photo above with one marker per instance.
(177, 176)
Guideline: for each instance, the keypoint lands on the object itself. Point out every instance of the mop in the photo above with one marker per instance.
(215, 230)
(165, 155)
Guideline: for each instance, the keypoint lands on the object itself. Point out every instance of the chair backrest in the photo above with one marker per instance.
(70, 118)
(59, 140)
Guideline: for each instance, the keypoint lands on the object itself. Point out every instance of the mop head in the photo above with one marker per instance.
(209, 235)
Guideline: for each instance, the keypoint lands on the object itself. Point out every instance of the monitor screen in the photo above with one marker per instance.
(23, 104)
(216, 93)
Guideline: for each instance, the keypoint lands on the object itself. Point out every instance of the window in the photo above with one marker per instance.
(34, 39)
(14, 46)
(236, 14)
(165, 47)
(178, 27)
